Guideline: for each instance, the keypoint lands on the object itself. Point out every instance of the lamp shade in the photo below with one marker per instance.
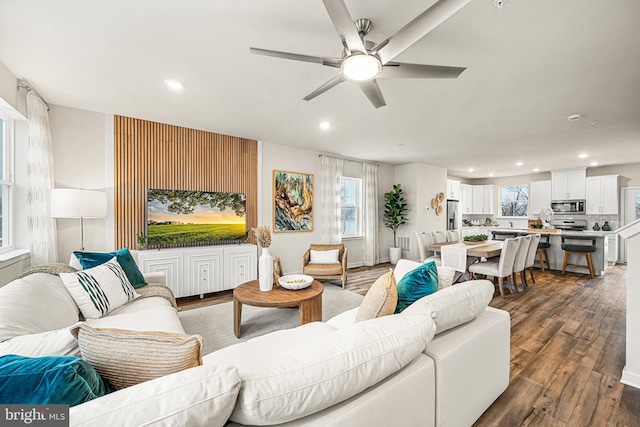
(76, 203)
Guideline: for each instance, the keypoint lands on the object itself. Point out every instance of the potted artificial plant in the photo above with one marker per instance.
(394, 216)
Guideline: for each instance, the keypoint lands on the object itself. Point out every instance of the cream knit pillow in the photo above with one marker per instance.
(380, 300)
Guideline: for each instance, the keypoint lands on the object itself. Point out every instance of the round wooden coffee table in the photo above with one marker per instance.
(308, 301)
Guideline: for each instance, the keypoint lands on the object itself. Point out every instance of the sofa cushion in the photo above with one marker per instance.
(381, 298)
(159, 319)
(324, 257)
(126, 261)
(49, 380)
(455, 305)
(323, 269)
(288, 381)
(198, 397)
(100, 289)
(22, 302)
(445, 276)
(125, 358)
(416, 284)
(51, 343)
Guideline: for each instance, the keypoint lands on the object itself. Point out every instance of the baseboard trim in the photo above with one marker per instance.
(630, 378)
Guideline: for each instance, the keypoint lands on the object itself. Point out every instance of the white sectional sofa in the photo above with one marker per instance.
(386, 371)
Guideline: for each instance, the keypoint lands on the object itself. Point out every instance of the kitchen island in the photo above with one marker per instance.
(556, 255)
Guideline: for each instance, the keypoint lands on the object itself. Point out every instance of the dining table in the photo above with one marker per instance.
(460, 255)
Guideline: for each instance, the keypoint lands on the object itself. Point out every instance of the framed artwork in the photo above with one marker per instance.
(292, 201)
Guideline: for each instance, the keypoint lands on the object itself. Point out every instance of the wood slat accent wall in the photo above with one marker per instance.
(156, 155)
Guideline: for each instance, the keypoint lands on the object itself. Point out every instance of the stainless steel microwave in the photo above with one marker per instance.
(569, 207)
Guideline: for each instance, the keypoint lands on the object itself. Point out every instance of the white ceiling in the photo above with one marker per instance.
(530, 65)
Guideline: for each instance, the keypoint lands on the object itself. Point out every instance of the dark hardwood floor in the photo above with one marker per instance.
(567, 350)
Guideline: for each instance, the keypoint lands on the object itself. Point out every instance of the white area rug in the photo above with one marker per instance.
(215, 323)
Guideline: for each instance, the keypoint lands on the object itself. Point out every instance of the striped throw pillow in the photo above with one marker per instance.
(380, 300)
(99, 290)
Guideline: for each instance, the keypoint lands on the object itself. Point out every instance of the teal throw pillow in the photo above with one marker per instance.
(65, 380)
(417, 283)
(124, 258)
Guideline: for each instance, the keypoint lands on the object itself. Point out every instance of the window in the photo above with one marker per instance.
(350, 206)
(514, 200)
(6, 166)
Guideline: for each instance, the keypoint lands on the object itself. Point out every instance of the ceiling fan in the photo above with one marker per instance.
(364, 62)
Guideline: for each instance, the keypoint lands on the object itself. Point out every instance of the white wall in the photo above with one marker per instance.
(290, 246)
(421, 183)
(79, 156)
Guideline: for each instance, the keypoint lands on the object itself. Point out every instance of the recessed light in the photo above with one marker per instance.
(491, 174)
(574, 117)
(594, 163)
(593, 122)
(470, 170)
(324, 125)
(583, 155)
(536, 169)
(519, 163)
(174, 84)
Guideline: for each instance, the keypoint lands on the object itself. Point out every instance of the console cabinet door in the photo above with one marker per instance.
(170, 263)
(204, 271)
(240, 267)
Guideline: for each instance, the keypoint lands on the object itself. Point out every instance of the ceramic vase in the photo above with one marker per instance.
(606, 226)
(265, 270)
(596, 227)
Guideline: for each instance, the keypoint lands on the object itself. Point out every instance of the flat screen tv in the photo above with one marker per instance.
(190, 218)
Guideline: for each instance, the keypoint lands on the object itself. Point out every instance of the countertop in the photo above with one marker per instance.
(524, 230)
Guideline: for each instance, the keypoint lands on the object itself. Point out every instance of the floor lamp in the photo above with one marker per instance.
(77, 203)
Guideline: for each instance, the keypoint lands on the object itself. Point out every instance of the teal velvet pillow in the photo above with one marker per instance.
(94, 259)
(416, 284)
(66, 380)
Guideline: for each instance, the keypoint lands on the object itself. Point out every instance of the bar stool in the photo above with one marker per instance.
(542, 250)
(578, 249)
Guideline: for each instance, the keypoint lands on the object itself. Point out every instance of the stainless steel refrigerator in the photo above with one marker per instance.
(452, 214)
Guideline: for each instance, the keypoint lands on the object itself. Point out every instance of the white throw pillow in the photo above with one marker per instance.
(51, 343)
(445, 276)
(100, 289)
(324, 257)
(454, 305)
(284, 382)
(202, 396)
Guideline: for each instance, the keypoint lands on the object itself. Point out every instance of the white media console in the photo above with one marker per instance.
(202, 269)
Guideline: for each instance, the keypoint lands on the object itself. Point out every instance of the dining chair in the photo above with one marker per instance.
(453, 236)
(519, 262)
(424, 240)
(500, 269)
(439, 236)
(531, 256)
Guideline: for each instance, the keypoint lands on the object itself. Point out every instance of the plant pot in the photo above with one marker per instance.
(394, 255)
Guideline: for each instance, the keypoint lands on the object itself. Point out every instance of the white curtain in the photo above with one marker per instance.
(370, 214)
(42, 228)
(330, 199)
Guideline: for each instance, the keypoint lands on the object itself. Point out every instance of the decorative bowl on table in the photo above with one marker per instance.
(295, 281)
(475, 239)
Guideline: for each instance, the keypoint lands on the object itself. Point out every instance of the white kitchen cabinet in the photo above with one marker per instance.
(602, 195)
(488, 199)
(453, 189)
(203, 269)
(568, 184)
(466, 198)
(613, 248)
(477, 199)
(539, 197)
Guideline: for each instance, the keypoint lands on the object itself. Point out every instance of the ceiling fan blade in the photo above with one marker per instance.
(409, 71)
(330, 62)
(419, 27)
(344, 25)
(373, 92)
(325, 87)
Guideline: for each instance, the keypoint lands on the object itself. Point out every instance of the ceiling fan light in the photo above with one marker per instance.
(361, 68)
